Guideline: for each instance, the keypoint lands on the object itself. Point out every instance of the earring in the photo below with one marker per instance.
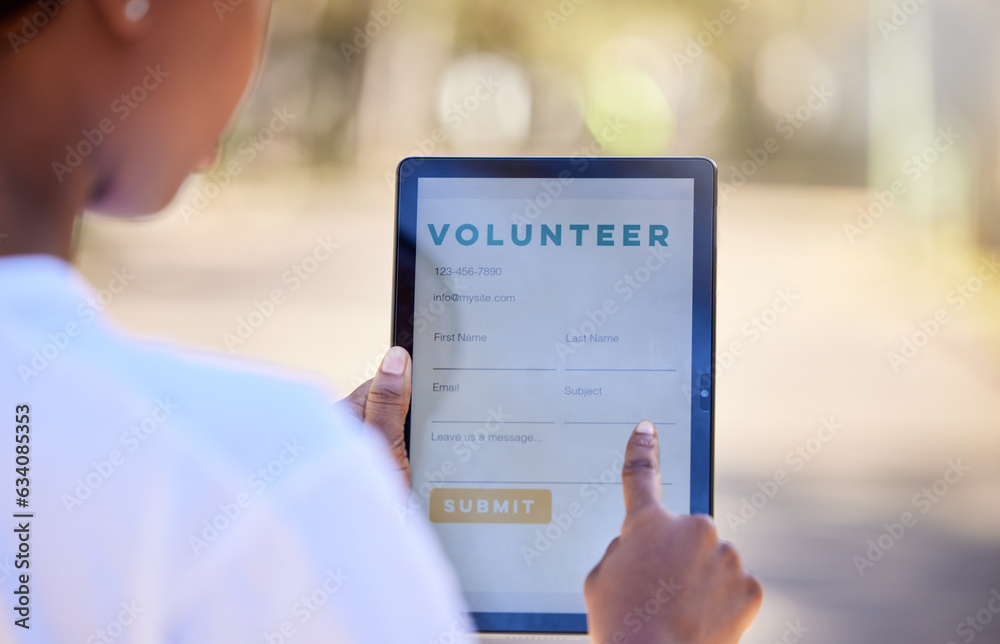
(136, 10)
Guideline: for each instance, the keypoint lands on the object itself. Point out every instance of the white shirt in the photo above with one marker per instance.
(178, 497)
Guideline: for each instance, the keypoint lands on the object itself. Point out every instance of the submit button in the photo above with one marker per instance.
(490, 506)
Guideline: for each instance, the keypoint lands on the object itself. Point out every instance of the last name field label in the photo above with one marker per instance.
(592, 338)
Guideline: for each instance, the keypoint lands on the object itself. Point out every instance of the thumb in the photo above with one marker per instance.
(388, 400)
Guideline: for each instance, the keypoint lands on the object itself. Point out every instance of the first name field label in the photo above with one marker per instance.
(459, 337)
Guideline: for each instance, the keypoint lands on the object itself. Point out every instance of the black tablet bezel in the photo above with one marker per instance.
(705, 175)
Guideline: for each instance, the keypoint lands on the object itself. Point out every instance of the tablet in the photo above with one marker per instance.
(550, 304)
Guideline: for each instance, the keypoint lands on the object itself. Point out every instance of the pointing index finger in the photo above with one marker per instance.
(641, 471)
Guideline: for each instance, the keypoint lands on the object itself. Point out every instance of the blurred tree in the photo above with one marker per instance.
(686, 72)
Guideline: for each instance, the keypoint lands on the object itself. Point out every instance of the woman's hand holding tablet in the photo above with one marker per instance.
(665, 578)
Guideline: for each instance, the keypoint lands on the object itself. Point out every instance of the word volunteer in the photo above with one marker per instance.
(599, 235)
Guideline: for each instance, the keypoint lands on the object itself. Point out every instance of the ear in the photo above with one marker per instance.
(128, 20)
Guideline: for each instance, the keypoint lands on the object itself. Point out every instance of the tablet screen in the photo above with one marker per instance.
(550, 316)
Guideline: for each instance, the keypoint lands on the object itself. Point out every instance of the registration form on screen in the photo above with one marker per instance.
(550, 316)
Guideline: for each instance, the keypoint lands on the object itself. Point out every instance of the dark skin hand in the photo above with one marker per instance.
(701, 592)
(695, 583)
(382, 403)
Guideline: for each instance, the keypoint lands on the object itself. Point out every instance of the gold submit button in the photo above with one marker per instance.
(490, 506)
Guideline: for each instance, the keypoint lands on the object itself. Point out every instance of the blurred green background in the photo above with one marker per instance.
(857, 142)
(715, 78)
